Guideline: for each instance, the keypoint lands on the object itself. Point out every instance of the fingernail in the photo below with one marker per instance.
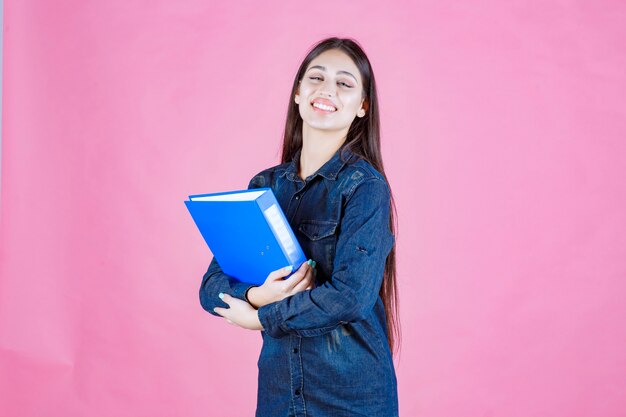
(221, 296)
(215, 309)
(313, 263)
(310, 261)
(289, 268)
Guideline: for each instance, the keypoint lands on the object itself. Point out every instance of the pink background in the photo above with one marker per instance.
(504, 140)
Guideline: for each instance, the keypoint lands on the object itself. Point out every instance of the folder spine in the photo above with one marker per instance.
(278, 223)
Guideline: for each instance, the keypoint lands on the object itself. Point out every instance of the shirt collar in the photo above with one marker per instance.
(329, 170)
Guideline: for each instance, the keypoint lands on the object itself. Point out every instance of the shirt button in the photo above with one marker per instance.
(297, 392)
(295, 350)
(297, 197)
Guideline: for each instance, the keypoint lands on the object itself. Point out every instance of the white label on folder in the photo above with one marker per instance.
(277, 222)
(238, 196)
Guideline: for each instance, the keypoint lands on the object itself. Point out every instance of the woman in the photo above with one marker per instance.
(328, 330)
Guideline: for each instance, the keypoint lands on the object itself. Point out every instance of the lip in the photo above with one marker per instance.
(325, 102)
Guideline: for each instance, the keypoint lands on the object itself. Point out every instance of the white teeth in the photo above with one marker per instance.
(323, 107)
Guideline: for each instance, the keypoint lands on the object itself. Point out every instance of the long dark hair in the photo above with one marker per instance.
(363, 139)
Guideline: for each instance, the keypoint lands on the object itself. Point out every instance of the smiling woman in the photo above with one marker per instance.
(329, 330)
(334, 96)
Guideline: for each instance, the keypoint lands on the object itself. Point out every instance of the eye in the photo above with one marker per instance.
(315, 78)
(346, 84)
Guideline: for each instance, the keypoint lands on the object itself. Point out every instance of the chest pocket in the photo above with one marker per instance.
(319, 240)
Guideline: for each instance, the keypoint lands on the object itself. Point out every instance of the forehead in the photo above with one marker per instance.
(335, 60)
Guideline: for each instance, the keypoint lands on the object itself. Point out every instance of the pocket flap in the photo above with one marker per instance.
(317, 229)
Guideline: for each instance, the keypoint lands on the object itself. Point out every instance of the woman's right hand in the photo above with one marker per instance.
(275, 287)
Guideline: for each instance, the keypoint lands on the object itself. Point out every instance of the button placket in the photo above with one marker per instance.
(297, 376)
(294, 202)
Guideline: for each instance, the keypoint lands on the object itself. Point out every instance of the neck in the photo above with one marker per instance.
(318, 147)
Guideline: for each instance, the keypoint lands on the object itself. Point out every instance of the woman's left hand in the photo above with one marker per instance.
(240, 313)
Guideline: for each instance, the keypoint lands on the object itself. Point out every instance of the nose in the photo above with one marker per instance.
(328, 88)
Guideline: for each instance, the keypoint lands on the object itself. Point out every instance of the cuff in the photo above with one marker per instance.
(240, 289)
(270, 319)
(245, 295)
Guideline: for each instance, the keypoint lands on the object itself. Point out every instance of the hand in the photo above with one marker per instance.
(275, 288)
(239, 313)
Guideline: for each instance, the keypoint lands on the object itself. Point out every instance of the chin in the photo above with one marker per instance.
(315, 123)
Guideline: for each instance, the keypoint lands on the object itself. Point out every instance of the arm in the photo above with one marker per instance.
(362, 247)
(214, 282)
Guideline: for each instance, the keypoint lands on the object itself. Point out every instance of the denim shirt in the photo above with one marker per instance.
(325, 350)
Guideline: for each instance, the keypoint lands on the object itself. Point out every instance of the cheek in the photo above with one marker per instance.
(350, 109)
(306, 90)
(352, 101)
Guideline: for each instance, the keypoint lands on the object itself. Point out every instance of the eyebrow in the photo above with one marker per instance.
(338, 72)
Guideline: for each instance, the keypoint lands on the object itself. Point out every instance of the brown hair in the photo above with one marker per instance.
(363, 139)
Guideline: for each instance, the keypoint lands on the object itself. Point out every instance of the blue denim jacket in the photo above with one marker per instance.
(325, 350)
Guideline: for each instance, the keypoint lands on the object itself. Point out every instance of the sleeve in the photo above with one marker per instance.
(362, 247)
(215, 281)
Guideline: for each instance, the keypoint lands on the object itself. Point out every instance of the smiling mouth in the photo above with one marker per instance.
(323, 108)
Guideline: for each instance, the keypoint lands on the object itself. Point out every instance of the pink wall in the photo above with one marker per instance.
(503, 136)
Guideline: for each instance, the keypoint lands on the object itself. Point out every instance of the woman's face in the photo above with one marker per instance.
(331, 79)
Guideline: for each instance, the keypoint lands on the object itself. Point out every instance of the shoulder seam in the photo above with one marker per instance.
(363, 165)
(363, 180)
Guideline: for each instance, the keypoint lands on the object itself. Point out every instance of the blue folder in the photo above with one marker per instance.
(247, 232)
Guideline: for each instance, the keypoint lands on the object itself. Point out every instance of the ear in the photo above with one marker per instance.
(297, 97)
(363, 109)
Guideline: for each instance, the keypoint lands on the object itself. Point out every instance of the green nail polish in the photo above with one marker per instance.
(310, 261)
(314, 263)
(221, 296)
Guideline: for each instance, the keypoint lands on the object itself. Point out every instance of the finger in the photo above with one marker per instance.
(280, 273)
(303, 268)
(289, 283)
(224, 312)
(304, 284)
(225, 297)
(296, 278)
